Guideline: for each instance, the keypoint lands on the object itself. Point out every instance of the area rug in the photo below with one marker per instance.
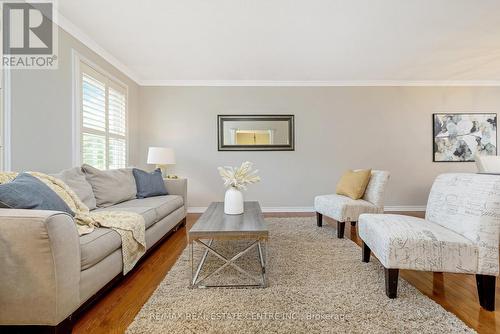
(317, 284)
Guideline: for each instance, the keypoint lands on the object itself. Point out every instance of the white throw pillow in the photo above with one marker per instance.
(488, 164)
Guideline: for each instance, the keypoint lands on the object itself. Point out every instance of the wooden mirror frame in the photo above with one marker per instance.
(220, 133)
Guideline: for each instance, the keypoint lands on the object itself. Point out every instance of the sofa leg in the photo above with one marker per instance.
(366, 253)
(340, 229)
(183, 222)
(319, 219)
(486, 291)
(353, 224)
(391, 282)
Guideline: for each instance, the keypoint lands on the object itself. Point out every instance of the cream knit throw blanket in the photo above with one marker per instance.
(129, 225)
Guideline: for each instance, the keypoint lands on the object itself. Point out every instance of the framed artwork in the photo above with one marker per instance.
(458, 137)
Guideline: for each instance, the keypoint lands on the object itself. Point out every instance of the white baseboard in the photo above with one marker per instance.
(288, 209)
(394, 208)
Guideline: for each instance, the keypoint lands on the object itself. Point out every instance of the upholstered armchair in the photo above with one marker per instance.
(460, 234)
(344, 209)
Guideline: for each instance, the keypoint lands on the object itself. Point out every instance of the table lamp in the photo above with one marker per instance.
(162, 157)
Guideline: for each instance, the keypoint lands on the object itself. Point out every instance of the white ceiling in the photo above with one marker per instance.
(286, 41)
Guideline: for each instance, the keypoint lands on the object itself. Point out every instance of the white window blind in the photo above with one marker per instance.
(103, 119)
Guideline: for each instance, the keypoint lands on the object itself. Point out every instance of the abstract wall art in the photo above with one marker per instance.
(458, 137)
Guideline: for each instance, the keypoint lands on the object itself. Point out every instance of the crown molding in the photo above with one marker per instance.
(85, 39)
(393, 208)
(353, 83)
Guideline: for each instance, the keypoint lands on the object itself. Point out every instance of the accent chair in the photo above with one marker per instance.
(344, 209)
(460, 234)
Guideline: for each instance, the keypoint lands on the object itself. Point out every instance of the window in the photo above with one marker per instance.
(103, 119)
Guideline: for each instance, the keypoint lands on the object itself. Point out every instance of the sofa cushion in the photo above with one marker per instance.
(162, 206)
(110, 186)
(75, 179)
(102, 242)
(96, 246)
(148, 213)
(28, 192)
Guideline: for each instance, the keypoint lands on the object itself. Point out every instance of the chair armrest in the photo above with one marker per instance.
(177, 187)
(40, 264)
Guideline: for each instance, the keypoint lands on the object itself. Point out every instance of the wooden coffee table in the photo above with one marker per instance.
(215, 225)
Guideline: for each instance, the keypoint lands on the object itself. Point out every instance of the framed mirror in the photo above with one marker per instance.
(255, 132)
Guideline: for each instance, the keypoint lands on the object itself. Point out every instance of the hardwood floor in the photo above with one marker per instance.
(116, 310)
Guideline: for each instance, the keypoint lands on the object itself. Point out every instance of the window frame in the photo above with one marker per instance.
(110, 81)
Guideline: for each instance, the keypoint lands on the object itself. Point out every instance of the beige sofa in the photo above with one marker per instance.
(48, 272)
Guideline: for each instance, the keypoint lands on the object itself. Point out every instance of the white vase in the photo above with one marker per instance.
(233, 202)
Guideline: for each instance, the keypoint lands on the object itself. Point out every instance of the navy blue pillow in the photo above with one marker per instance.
(149, 184)
(28, 192)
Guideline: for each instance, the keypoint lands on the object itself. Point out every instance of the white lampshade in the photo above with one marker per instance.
(161, 156)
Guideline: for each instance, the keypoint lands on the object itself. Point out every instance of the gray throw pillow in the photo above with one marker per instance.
(75, 179)
(28, 192)
(110, 186)
(149, 184)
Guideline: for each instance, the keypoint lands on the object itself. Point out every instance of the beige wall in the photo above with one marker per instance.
(336, 128)
(42, 111)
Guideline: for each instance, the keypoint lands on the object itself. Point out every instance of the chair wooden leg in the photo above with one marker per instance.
(340, 229)
(319, 219)
(366, 253)
(391, 282)
(353, 224)
(486, 291)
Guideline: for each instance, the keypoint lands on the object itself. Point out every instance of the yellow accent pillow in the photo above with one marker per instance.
(353, 183)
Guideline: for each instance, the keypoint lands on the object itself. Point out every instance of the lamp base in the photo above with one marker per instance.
(163, 169)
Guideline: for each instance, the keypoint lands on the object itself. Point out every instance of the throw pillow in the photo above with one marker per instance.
(110, 186)
(353, 183)
(75, 179)
(149, 184)
(28, 192)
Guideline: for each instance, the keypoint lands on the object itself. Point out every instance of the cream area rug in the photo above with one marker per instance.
(317, 284)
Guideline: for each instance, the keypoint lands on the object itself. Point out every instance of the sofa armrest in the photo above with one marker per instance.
(177, 187)
(40, 265)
